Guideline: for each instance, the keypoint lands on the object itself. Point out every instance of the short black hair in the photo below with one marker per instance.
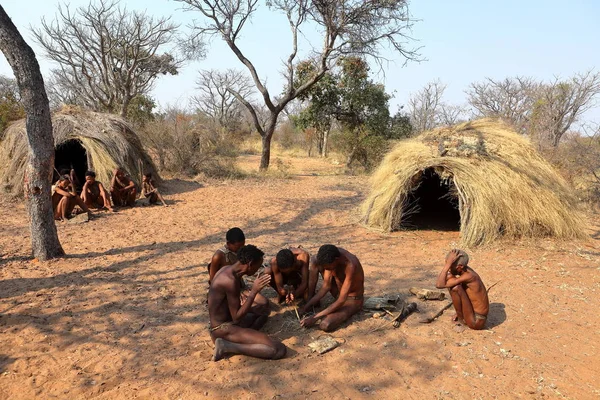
(90, 173)
(285, 258)
(235, 235)
(148, 174)
(65, 171)
(327, 254)
(64, 177)
(249, 253)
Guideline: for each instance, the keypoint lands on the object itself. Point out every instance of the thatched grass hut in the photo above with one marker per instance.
(479, 177)
(83, 139)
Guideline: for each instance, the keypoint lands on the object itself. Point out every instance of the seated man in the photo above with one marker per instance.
(468, 293)
(343, 276)
(93, 193)
(122, 189)
(233, 327)
(64, 199)
(227, 255)
(289, 274)
(150, 191)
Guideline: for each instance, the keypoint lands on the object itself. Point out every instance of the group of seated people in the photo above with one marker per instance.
(93, 194)
(237, 312)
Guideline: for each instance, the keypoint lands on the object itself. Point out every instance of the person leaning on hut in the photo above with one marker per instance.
(64, 199)
(343, 276)
(122, 189)
(289, 274)
(233, 325)
(150, 191)
(468, 292)
(94, 194)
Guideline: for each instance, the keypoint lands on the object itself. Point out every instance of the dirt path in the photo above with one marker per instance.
(124, 316)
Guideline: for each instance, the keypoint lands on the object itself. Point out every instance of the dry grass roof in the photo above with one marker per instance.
(108, 140)
(504, 187)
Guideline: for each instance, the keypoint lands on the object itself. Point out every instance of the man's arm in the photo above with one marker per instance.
(299, 292)
(451, 282)
(350, 270)
(131, 185)
(216, 263)
(63, 192)
(327, 276)
(233, 297)
(278, 278)
(113, 182)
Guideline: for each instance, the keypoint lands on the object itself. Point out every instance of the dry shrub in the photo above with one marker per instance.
(188, 144)
(504, 187)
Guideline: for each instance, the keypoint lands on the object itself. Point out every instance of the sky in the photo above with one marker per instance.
(461, 42)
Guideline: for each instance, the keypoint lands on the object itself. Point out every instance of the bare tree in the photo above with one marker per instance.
(216, 98)
(106, 54)
(452, 114)
(425, 106)
(560, 104)
(38, 174)
(511, 100)
(346, 27)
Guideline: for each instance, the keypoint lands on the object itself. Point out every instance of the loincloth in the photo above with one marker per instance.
(355, 297)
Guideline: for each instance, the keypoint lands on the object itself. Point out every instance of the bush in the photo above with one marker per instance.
(188, 144)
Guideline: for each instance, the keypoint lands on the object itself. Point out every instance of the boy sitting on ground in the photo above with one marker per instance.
(122, 189)
(233, 326)
(93, 193)
(343, 276)
(64, 199)
(468, 292)
(150, 191)
(289, 274)
(227, 255)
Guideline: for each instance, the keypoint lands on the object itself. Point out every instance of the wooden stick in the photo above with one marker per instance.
(439, 313)
(296, 309)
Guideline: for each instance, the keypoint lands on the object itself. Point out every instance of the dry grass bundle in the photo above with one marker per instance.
(108, 140)
(503, 186)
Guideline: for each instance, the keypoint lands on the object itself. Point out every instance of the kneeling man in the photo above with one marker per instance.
(233, 327)
(289, 274)
(343, 276)
(468, 292)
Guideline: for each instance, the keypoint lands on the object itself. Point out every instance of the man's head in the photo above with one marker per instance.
(459, 266)
(90, 176)
(252, 256)
(147, 176)
(285, 259)
(64, 181)
(119, 172)
(235, 239)
(327, 256)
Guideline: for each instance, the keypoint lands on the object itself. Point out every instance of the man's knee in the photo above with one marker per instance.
(280, 351)
(455, 289)
(326, 326)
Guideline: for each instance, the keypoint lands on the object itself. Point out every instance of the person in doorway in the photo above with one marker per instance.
(94, 194)
(64, 199)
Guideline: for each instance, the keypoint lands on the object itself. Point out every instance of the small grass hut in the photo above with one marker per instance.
(82, 139)
(479, 177)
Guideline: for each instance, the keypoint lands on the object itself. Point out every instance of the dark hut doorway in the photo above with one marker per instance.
(71, 154)
(433, 205)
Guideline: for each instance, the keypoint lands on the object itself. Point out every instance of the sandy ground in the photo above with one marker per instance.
(124, 315)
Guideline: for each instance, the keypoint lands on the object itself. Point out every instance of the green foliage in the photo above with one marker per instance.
(140, 110)
(11, 108)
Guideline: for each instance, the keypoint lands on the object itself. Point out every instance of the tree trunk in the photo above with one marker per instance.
(265, 157)
(38, 173)
(325, 143)
(351, 156)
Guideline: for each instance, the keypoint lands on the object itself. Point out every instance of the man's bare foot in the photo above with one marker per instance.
(219, 352)
(455, 318)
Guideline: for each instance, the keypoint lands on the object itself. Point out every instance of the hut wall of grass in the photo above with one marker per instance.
(84, 139)
(491, 181)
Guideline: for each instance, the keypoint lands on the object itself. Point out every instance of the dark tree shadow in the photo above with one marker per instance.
(5, 361)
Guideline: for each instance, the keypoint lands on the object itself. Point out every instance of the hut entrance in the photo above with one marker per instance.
(71, 154)
(432, 205)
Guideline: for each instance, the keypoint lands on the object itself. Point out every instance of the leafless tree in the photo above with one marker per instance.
(452, 114)
(216, 99)
(106, 54)
(511, 100)
(346, 27)
(560, 104)
(425, 106)
(38, 174)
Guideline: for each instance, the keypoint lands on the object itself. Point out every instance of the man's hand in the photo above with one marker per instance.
(289, 299)
(452, 257)
(260, 283)
(308, 322)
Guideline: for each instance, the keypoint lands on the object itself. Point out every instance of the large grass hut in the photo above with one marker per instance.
(478, 177)
(84, 140)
